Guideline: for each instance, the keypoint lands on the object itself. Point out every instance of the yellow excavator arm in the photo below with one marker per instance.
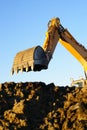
(57, 33)
(76, 49)
(38, 58)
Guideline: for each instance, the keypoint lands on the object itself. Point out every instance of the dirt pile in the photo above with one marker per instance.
(37, 106)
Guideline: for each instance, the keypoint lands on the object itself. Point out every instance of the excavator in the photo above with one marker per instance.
(37, 58)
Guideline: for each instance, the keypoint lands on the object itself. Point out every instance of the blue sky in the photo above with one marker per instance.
(23, 24)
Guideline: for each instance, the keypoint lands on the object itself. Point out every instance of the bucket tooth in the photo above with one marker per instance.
(21, 69)
(27, 69)
(16, 70)
(32, 67)
(12, 72)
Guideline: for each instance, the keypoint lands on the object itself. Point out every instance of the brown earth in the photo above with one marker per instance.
(37, 106)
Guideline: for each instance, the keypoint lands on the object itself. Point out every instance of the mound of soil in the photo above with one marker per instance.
(37, 106)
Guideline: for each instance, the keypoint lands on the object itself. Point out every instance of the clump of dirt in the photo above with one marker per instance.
(37, 106)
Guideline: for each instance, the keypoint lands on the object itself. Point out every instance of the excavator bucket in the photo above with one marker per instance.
(31, 59)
